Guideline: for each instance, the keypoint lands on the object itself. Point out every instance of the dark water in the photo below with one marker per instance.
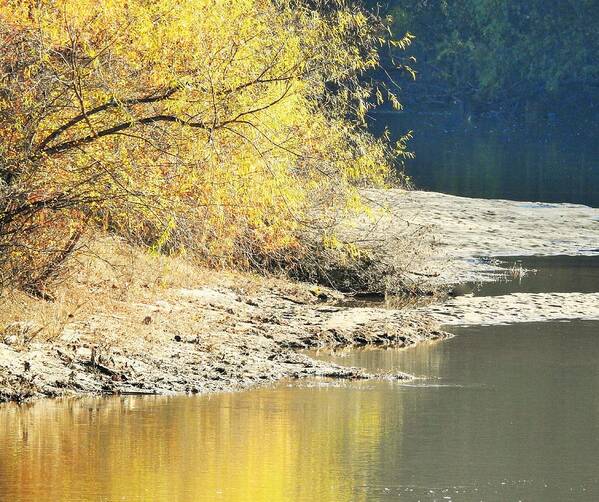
(517, 274)
(558, 274)
(488, 158)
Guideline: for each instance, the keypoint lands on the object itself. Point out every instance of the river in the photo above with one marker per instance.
(496, 159)
(498, 413)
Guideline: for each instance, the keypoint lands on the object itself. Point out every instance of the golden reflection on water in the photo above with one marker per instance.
(279, 444)
(505, 413)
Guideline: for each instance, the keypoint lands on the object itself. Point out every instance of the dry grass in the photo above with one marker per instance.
(105, 275)
(111, 278)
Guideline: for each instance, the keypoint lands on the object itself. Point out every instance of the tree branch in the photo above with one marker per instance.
(113, 103)
(67, 145)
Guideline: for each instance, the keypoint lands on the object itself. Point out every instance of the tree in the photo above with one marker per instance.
(208, 126)
(500, 54)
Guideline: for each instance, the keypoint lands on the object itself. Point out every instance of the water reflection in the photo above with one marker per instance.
(505, 412)
(557, 274)
(502, 413)
(490, 159)
(272, 445)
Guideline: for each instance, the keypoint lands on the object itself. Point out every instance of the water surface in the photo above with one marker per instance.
(490, 158)
(487, 421)
(540, 274)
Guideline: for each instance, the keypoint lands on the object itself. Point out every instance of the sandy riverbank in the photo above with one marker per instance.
(208, 339)
(462, 230)
(466, 234)
(219, 335)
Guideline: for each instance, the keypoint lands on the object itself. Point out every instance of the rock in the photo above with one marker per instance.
(18, 333)
(83, 353)
(12, 340)
(162, 305)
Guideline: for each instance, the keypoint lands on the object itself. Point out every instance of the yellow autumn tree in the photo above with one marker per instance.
(222, 128)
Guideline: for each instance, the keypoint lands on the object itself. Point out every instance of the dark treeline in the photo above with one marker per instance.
(521, 57)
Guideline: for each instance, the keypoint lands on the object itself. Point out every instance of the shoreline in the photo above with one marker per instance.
(205, 340)
(223, 336)
(465, 234)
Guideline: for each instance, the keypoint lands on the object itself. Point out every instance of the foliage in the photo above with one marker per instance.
(219, 128)
(500, 53)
